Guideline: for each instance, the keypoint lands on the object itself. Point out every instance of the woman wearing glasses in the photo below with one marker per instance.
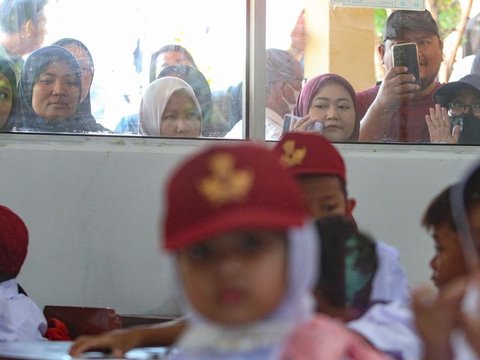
(456, 116)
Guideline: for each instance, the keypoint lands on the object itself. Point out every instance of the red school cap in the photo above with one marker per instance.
(13, 242)
(309, 153)
(229, 188)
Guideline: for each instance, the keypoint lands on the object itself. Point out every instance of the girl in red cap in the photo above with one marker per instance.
(246, 258)
(20, 317)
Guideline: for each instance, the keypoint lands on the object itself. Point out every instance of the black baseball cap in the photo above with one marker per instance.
(446, 92)
(409, 20)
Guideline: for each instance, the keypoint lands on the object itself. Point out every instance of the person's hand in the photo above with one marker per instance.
(436, 316)
(470, 316)
(396, 88)
(438, 124)
(116, 342)
(305, 124)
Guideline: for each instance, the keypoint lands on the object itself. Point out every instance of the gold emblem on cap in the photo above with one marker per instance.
(225, 184)
(292, 156)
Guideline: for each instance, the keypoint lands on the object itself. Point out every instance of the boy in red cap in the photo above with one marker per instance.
(20, 317)
(246, 258)
(319, 169)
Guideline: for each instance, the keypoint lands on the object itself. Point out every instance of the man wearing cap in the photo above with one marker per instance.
(456, 115)
(20, 317)
(395, 109)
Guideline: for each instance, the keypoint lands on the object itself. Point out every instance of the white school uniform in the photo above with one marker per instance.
(20, 318)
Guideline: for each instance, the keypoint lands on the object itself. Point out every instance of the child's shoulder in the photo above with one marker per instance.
(326, 338)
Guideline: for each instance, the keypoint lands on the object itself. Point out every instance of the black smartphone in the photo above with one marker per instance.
(407, 55)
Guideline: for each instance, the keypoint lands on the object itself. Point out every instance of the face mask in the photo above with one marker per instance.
(470, 128)
(295, 96)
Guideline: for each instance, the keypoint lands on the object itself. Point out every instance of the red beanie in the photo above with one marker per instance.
(308, 153)
(13, 242)
(229, 188)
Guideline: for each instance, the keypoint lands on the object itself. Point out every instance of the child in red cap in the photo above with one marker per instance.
(319, 170)
(246, 258)
(20, 317)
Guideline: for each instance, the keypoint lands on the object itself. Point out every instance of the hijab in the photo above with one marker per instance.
(7, 68)
(85, 107)
(265, 339)
(200, 86)
(314, 85)
(155, 100)
(29, 120)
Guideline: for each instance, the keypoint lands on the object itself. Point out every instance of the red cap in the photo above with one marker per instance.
(13, 242)
(308, 153)
(229, 188)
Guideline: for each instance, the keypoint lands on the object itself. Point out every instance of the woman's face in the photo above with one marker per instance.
(56, 92)
(181, 117)
(86, 68)
(6, 100)
(333, 106)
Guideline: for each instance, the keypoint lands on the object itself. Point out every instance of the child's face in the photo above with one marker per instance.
(447, 263)
(237, 278)
(324, 195)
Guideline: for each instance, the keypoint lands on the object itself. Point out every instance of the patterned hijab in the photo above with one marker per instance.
(313, 86)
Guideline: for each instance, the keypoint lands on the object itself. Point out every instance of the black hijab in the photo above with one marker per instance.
(29, 120)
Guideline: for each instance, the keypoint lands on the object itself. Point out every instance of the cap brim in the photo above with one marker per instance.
(230, 221)
(445, 93)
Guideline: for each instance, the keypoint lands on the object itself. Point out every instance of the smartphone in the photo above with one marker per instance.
(289, 122)
(407, 55)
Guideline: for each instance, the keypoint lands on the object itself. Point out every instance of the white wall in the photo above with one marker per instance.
(92, 205)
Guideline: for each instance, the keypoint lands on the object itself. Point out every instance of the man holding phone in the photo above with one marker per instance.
(394, 110)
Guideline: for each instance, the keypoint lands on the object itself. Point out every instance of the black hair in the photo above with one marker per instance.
(16, 13)
(339, 240)
(165, 49)
(7, 68)
(439, 211)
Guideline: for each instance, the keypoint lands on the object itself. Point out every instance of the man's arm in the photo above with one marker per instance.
(396, 88)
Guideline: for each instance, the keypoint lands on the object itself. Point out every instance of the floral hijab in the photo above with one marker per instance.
(155, 101)
(314, 85)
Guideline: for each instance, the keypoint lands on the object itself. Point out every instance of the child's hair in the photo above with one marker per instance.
(439, 211)
(308, 154)
(348, 263)
(13, 243)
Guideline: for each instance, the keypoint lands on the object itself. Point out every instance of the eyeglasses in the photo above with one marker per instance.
(456, 109)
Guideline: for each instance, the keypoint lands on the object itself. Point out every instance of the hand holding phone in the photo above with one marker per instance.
(407, 55)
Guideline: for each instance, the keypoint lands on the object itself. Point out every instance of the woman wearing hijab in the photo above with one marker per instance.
(328, 99)
(200, 87)
(8, 95)
(85, 61)
(50, 92)
(169, 108)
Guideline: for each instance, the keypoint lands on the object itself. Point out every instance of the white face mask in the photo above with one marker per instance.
(295, 96)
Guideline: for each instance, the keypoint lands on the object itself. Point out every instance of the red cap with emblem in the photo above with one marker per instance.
(13, 242)
(308, 153)
(229, 188)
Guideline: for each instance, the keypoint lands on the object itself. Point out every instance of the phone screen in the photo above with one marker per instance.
(407, 55)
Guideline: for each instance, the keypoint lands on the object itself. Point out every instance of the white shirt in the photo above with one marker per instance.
(390, 281)
(273, 127)
(20, 318)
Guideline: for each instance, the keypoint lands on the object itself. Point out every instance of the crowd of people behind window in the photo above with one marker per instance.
(49, 91)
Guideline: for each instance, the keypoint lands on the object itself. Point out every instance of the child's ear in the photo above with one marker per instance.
(350, 206)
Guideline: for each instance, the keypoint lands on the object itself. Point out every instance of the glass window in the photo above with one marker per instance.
(196, 49)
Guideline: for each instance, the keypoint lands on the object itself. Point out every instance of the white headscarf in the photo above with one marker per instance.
(156, 98)
(261, 340)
